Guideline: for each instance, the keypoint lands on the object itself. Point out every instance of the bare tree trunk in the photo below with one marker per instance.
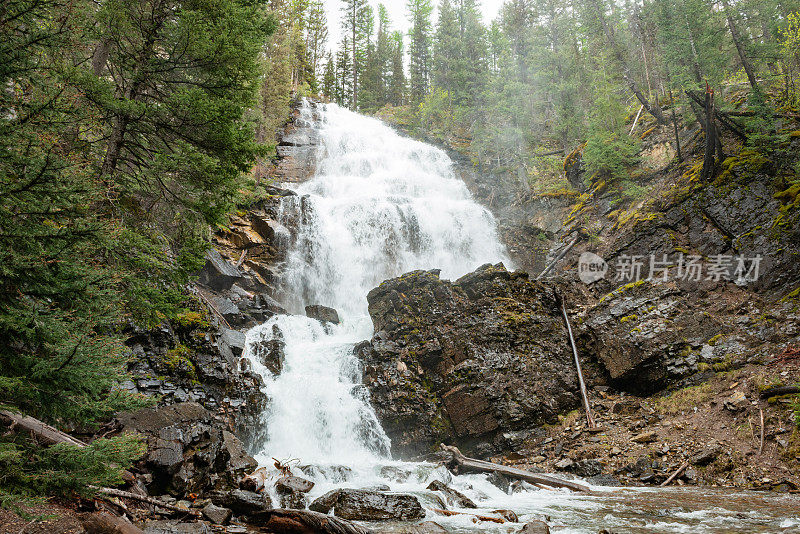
(709, 163)
(43, 432)
(581, 383)
(471, 464)
(737, 41)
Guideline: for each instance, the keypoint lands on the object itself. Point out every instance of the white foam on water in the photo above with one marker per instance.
(380, 205)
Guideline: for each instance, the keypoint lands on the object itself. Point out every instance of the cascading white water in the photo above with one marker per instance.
(380, 205)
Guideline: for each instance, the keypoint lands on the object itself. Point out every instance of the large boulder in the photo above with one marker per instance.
(242, 502)
(268, 349)
(466, 361)
(322, 313)
(188, 451)
(648, 335)
(217, 273)
(364, 505)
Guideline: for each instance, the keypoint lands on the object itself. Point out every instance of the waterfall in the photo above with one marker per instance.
(379, 205)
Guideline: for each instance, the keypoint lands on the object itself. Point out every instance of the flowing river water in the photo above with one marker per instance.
(378, 206)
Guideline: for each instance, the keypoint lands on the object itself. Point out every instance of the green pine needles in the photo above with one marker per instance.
(123, 139)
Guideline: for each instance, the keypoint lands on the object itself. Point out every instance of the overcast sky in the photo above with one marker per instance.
(397, 15)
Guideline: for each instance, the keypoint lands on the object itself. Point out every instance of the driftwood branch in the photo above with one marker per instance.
(761, 442)
(481, 517)
(581, 383)
(676, 474)
(282, 521)
(43, 432)
(144, 499)
(241, 258)
(480, 466)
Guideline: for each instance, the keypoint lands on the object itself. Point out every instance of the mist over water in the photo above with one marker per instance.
(380, 205)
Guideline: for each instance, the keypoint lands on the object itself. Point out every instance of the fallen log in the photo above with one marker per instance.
(283, 521)
(144, 499)
(481, 466)
(47, 434)
(43, 432)
(481, 517)
(676, 474)
(105, 523)
(559, 257)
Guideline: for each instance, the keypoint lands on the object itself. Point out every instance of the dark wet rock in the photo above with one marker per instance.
(535, 527)
(332, 473)
(647, 336)
(377, 487)
(395, 473)
(564, 464)
(705, 456)
(242, 502)
(625, 407)
(737, 402)
(169, 526)
(426, 527)
(642, 467)
(508, 515)
(217, 273)
(190, 361)
(188, 450)
(603, 480)
(501, 481)
(233, 339)
(296, 151)
(293, 485)
(360, 505)
(269, 351)
(294, 500)
(452, 496)
(322, 313)
(216, 514)
(466, 361)
(586, 468)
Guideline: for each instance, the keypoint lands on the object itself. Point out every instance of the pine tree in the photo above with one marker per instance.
(397, 83)
(419, 48)
(316, 37)
(344, 75)
(357, 26)
(329, 79)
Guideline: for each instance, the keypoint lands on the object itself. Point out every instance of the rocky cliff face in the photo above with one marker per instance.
(483, 361)
(466, 361)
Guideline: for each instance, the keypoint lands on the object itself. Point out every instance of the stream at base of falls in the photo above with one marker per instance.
(378, 206)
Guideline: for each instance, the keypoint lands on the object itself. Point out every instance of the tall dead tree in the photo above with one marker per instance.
(653, 109)
(739, 44)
